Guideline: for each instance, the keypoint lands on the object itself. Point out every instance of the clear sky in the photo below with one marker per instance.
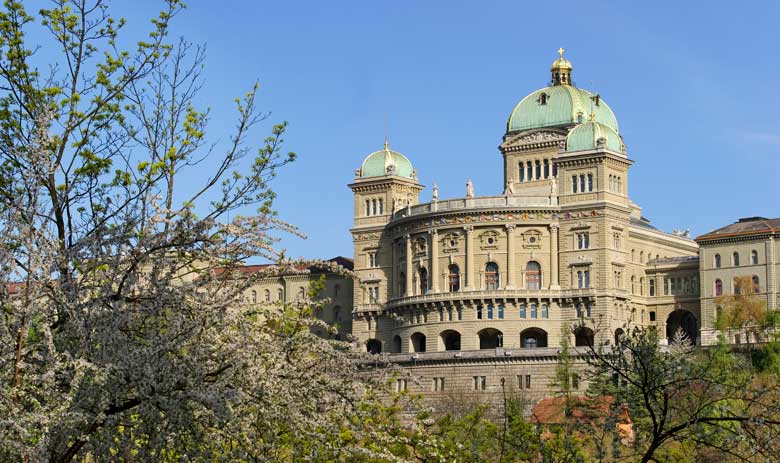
(694, 86)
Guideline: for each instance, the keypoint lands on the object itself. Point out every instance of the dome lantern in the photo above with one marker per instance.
(561, 70)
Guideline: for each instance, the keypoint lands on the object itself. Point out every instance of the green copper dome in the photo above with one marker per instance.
(559, 105)
(386, 162)
(586, 137)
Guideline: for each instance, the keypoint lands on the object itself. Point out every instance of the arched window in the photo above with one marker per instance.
(450, 339)
(619, 333)
(580, 309)
(373, 207)
(368, 208)
(521, 172)
(530, 169)
(418, 342)
(735, 258)
(546, 168)
(454, 278)
(583, 337)
(490, 311)
(543, 99)
(651, 283)
(633, 284)
(254, 296)
(522, 310)
(754, 257)
(582, 183)
(532, 338)
(267, 295)
(756, 287)
(590, 182)
(573, 183)
(545, 311)
(538, 170)
(301, 294)
(641, 286)
(490, 338)
(374, 346)
(716, 260)
(336, 290)
(381, 207)
(396, 344)
(533, 275)
(280, 295)
(491, 276)
(534, 313)
(423, 274)
(501, 311)
(641, 257)
(718, 287)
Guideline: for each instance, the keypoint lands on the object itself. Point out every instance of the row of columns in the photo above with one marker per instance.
(527, 170)
(471, 282)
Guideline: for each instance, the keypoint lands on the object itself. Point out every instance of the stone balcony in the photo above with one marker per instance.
(482, 202)
(483, 294)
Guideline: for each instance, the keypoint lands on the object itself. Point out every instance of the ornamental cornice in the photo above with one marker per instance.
(736, 239)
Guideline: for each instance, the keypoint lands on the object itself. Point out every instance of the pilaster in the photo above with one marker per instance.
(554, 281)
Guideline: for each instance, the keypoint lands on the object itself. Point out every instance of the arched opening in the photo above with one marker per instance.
(583, 337)
(491, 275)
(533, 337)
(450, 339)
(374, 346)
(735, 258)
(716, 260)
(453, 277)
(396, 344)
(490, 338)
(533, 275)
(619, 333)
(754, 257)
(423, 274)
(684, 320)
(418, 342)
(718, 287)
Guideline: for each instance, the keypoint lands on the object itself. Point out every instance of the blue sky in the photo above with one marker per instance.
(693, 86)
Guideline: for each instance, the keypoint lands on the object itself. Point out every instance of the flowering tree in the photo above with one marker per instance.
(123, 335)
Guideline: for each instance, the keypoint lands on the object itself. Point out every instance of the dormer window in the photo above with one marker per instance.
(543, 99)
(579, 118)
(596, 99)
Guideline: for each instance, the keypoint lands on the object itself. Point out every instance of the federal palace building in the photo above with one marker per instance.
(474, 294)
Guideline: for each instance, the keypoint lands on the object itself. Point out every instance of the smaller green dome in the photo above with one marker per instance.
(386, 162)
(587, 136)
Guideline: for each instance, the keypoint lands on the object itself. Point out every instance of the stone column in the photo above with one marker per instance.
(554, 283)
(434, 261)
(409, 270)
(469, 257)
(771, 282)
(510, 256)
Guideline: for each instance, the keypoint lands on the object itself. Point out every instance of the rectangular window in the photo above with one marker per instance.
(587, 278)
(652, 316)
(583, 240)
(500, 311)
(522, 310)
(479, 312)
(460, 314)
(490, 311)
(533, 311)
(528, 381)
(573, 183)
(520, 383)
(480, 383)
(438, 384)
(575, 381)
(651, 282)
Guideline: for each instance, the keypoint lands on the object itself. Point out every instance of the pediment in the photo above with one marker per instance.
(534, 139)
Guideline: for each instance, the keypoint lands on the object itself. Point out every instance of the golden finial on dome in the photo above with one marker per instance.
(592, 117)
(560, 52)
(387, 144)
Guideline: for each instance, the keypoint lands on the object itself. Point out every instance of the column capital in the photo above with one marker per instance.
(433, 232)
(554, 227)
(468, 229)
(510, 226)
(407, 236)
